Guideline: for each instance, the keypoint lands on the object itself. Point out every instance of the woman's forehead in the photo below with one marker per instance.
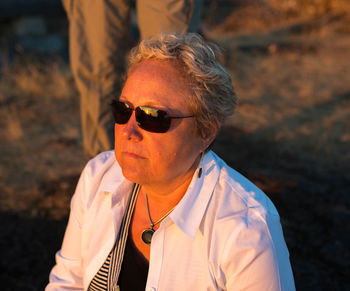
(157, 82)
(157, 65)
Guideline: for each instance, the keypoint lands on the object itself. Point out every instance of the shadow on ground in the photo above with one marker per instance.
(28, 245)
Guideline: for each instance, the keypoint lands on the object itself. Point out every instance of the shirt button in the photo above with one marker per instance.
(151, 289)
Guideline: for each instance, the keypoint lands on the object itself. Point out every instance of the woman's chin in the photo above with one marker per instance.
(134, 175)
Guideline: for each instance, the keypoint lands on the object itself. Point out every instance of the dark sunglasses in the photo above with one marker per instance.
(148, 118)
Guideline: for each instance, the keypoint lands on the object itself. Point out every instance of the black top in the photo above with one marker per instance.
(134, 271)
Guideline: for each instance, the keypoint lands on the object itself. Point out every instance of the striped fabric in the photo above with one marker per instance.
(107, 276)
(99, 282)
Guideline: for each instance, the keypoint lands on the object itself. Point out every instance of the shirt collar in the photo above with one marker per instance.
(189, 212)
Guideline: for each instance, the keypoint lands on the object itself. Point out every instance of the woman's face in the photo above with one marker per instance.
(157, 159)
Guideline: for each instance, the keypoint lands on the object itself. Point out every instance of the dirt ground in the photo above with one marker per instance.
(290, 135)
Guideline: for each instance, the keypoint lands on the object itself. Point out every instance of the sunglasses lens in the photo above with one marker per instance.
(152, 120)
(121, 112)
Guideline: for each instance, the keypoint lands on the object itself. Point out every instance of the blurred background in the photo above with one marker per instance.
(290, 64)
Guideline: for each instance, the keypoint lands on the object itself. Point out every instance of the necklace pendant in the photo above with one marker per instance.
(146, 235)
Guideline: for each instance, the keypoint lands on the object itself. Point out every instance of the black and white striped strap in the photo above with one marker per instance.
(107, 280)
(118, 253)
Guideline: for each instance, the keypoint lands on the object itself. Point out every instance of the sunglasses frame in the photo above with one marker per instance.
(148, 118)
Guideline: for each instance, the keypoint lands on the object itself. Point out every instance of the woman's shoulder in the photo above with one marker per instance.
(239, 212)
(243, 193)
(102, 173)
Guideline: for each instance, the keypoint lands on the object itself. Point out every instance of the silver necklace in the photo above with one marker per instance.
(147, 234)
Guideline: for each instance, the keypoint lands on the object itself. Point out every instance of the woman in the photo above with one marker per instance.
(163, 212)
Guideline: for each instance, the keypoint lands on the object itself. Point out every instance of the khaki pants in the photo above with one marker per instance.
(98, 39)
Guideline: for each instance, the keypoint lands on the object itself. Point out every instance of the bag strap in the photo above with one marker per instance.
(118, 251)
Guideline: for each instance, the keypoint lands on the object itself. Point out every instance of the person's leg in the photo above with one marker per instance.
(97, 41)
(155, 16)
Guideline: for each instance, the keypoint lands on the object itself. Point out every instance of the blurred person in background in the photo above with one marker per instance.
(98, 39)
(162, 211)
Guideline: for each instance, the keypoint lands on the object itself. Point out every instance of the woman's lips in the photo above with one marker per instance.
(133, 155)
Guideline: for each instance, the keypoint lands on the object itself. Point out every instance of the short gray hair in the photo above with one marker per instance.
(214, 98)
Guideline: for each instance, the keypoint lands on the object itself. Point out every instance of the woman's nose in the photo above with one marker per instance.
(131, 130)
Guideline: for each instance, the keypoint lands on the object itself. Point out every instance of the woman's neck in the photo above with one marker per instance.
(160, 199)
(168, 195)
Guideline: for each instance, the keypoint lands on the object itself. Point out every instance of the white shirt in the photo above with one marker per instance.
(224, 234)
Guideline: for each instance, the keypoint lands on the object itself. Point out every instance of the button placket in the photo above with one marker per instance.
(156, 257)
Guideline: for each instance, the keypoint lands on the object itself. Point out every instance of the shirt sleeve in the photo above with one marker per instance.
(256, 257)
(67, 274)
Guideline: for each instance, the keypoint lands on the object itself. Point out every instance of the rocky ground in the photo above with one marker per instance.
(290, 135)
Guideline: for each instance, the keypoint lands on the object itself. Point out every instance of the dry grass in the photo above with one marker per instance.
(296, 100)
(291, 75)
(39, 109)
(51, 79)
(259, 16)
